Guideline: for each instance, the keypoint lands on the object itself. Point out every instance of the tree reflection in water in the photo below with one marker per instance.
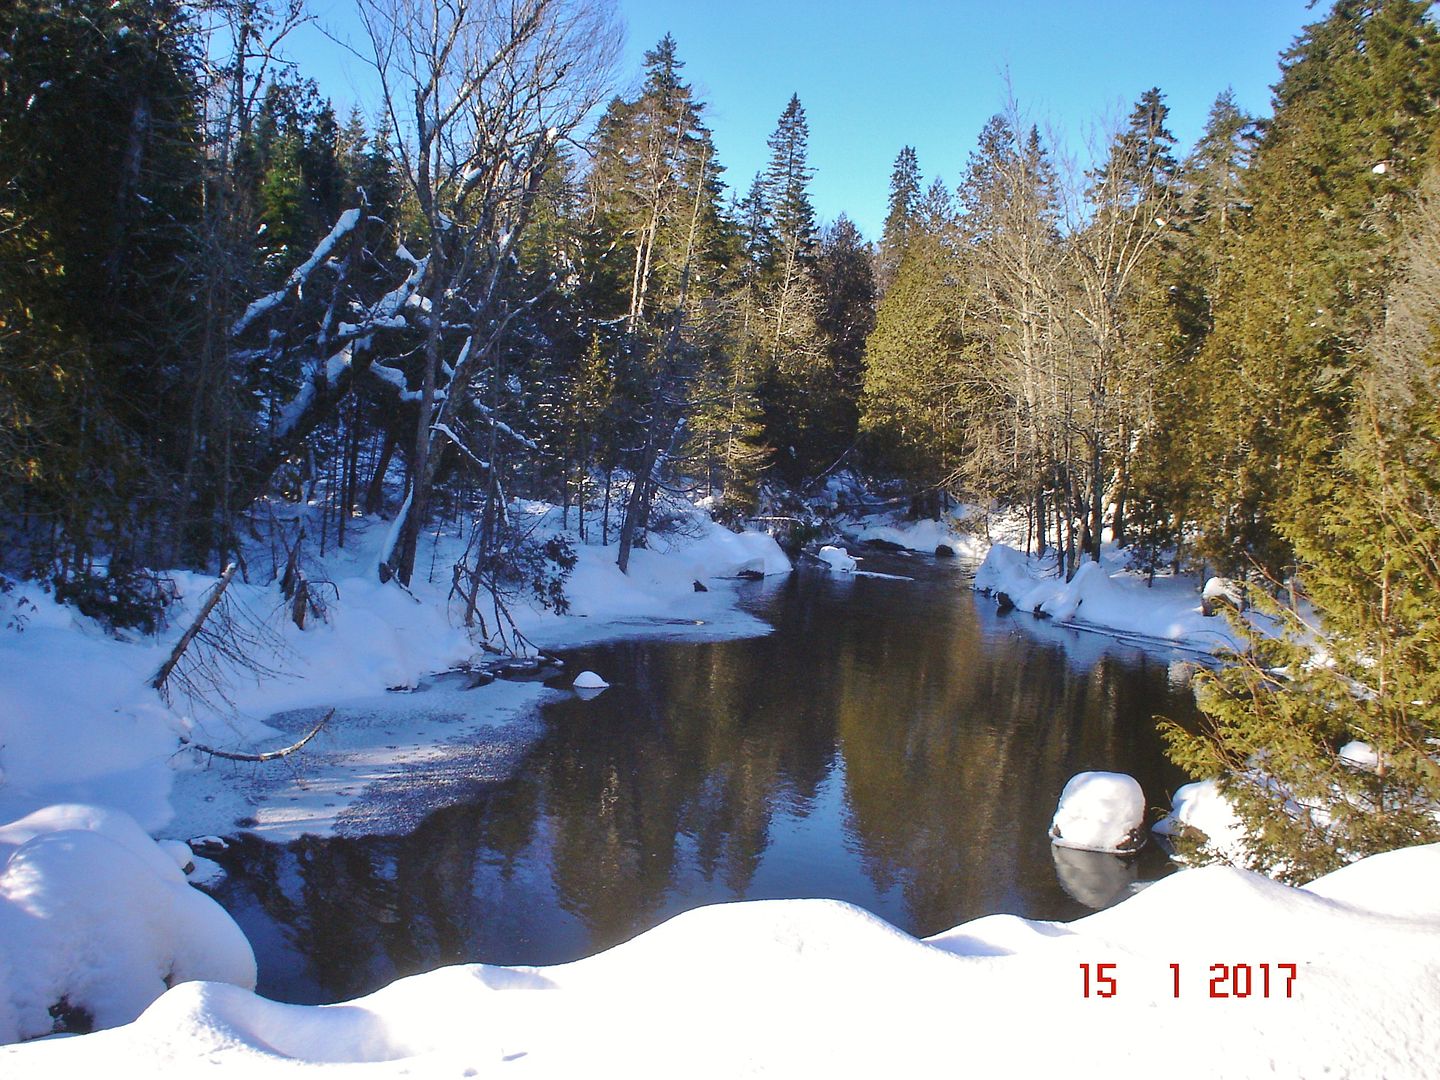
(893, 744)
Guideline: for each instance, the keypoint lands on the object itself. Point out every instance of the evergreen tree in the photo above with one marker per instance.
(788, 297)
(787, 185)
(846, 282)
(911, 407)
(1354, 116)
(903, 205)
(101, 174)
(656, 191)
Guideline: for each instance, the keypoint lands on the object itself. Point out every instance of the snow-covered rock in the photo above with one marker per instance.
(97, 921)
(588, 680)
(837, 558)
(924, 535)
(1219, 593)
(1359, 754)
(1202, 808)
(1100, 811)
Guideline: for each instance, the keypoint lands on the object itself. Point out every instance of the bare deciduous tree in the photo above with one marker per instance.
(478, 95)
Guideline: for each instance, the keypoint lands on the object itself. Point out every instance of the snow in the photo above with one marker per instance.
(1100, 811)
(924, 535)
(1224, 589)
(838, 558)
(94, 910)
(95, 915)
(343, 225)
(1359, 754)
(1105, 596)
(588, 680)
(821, 988)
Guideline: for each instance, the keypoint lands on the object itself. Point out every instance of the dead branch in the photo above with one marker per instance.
(158, 682)
(269, 755)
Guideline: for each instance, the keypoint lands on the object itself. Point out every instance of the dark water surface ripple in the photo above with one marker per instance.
(895, 744)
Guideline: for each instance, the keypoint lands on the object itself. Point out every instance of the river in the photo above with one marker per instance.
(893, 743)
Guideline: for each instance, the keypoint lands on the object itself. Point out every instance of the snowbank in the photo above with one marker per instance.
(96, 922)
(657, 596)
(819, 988)
(1107, 596)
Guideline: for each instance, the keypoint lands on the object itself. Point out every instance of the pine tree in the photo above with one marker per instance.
(787, 185)
(656, 192)
(101, 176)
(846, 283)
(1170, 466)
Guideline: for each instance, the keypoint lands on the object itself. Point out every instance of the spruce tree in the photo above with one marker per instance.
(904, 204)
(794, 363)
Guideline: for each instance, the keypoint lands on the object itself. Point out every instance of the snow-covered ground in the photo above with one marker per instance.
(97, 920)
(1211, 972)
(924, 535)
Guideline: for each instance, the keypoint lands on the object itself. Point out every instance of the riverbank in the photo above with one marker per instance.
(78, 722)
(1108, 597)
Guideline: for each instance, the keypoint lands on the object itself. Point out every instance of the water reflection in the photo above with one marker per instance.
(1095, 878)
(893, 743)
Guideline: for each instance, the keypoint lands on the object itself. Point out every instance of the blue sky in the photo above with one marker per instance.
(875, 76)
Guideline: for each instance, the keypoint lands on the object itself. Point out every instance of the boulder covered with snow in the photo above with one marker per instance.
(1221, 593)
(588, 680)
(1203, 813)
(97, 921)
(1100, 811)
(837, 558)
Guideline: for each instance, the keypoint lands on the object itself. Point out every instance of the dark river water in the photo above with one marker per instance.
(895, 744)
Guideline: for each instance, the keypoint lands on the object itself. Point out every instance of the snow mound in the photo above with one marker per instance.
(838, 558)
(588, 680)
(820, 988)
(1359, 754)
(1100, 811)
(96, 922)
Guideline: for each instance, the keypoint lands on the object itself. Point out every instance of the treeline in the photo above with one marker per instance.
(215, 290)
(1165, 348)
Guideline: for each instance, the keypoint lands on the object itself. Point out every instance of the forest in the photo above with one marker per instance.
(217, 296)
